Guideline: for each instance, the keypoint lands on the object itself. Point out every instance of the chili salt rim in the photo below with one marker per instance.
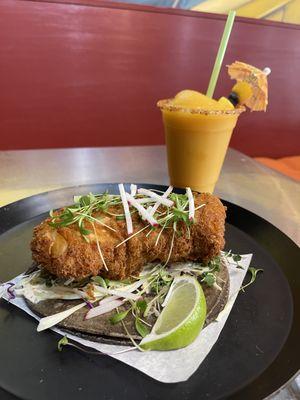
(167, 105)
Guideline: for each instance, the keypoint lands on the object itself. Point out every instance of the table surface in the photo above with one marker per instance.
(243, 181)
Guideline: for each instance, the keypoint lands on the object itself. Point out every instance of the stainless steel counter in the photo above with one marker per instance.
(243, 181)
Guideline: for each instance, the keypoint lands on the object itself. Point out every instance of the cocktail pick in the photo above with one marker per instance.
(252, 85)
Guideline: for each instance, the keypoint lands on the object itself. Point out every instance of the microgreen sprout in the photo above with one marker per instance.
(100, 281)
(62, 342)
(119, 316)
(82, 210)
(141, 328)
(253, 271)
(235, 257)
(209, 278)
(166, 210)
(131, 338)
(98, 247)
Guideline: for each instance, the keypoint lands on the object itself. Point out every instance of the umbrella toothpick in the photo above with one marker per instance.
(267, 71)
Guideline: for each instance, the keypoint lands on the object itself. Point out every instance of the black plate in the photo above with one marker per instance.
(256, 353)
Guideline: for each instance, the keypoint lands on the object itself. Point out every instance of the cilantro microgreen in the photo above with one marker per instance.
(209, 279)
(85, 201)
(83, 231)
(62, 342)
(100, 281)
(84, 208)
(141, 305)
(253, 271)
(236, 257)
(118, 317)
(76, 199)
(141, 328)
(82, 211)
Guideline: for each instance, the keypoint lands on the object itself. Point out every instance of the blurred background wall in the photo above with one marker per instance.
(81, 73)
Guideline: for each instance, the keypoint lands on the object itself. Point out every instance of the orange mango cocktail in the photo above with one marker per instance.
(197, 130)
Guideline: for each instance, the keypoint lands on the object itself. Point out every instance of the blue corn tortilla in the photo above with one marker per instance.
(100, 329)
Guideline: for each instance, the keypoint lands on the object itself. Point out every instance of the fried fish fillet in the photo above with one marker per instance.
(65, 253)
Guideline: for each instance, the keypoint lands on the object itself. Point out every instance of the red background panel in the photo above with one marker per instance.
(90, 74)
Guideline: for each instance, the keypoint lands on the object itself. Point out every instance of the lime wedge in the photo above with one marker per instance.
(182, 318)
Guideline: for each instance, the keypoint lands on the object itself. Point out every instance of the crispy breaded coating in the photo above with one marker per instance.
(65, 253)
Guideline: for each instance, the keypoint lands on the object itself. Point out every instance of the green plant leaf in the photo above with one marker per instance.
(209, 279)
(62, 342)
(82, 229)
(141, 328)
(76, 199)
(253, 271)
(118, 317)
(100, 281)
(85, 201)
(141, 305)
